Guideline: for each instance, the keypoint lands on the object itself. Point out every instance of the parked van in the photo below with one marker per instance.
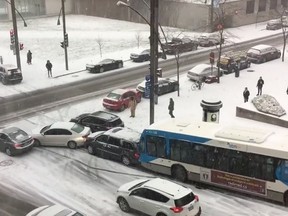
(262, 53)
(10, 74)
(202, 71)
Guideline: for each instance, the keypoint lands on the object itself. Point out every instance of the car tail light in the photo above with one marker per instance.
(136, 155)
(196, 197)
(176, 209)
(17, 145)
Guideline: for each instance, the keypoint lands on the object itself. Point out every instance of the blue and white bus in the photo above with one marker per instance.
(250, 160)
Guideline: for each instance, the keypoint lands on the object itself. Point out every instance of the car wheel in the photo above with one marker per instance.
(179, 173)
(120, 65)
(124, 206)
(161, 214)
(176, 87)
(286, 198)
(4, 81)
(264, 60)
(8, 152)
(210, 43)
(279, 55)
(37, 143)
(125, 160)
(101, 70)
(72, 145)
(90, 150)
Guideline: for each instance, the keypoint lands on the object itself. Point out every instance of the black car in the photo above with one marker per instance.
(14, 141)
(143, 56)
(180, 45)
(262, 53)
(104, 65)
(165, 85)
(10, 74)
(118, 143)
(99, 121)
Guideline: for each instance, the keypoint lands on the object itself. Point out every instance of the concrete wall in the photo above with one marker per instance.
(53, 6)
(262, 117)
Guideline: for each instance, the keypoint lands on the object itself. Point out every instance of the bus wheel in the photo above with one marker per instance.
(286, 198)
(179, 173)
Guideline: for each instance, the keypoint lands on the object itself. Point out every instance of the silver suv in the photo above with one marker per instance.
(158, 197)
(10, 74)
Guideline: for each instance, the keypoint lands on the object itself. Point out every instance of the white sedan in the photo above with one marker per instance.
(53, 210)
(61, 134)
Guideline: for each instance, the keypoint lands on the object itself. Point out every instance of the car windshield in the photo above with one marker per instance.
(184, 200)
(77, 128)
(138, 185)
(45, 128)
(106, 61)
(254, 51)
(18, 135)
(114, 96)
(145, 52)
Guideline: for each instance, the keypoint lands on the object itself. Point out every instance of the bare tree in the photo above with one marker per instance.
(100, 45)
(138, 38)
(284, 30)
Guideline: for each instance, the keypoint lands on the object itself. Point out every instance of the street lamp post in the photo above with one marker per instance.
(65, 35)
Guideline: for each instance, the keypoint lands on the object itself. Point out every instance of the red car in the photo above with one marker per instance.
(118, 99)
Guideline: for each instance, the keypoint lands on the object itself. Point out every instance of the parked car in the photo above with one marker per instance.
(211, 79)
(68, 134)
(262, 53)
(230, 60)
(158, 197)
(10, 74)
(165, 85)
(180, 45)
(53, 210)
(99, 121)
(118, 99)
(117, 144)
(143, 56)
(14, 140)
(104, 65)
(202, 71)
(276, 24)
(212, 39)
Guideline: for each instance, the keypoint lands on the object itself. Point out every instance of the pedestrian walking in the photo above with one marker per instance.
(259, 85)
(246, 94)
(29, 57)
(132, 105)
(171, 108)
(49, 68)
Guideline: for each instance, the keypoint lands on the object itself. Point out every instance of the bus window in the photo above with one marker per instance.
(175, 150)
(268, 169)
(223, 160)
(211, 157)
(141, 146)
(156, 146)
(198, 155)
(254, 167)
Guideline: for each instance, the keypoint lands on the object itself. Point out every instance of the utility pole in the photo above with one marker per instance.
(17, 51)
(154, 7)
(64, 33)
(212, 16)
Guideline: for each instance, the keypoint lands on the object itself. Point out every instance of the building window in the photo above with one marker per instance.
(262, 5)
(250, 7)
(273, 4)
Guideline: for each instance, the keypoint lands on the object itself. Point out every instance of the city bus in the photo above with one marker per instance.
(249, 160)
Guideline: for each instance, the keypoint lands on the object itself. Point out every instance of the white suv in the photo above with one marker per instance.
(158, 197)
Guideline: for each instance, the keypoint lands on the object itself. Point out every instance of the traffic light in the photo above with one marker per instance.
(12, 36)
(62, 44)
(66, 40)
(21, 46)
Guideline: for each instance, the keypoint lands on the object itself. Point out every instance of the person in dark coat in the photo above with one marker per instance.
(246, 94)
(49, 68)
(29, 57)
(171, 108)
(259, 85)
